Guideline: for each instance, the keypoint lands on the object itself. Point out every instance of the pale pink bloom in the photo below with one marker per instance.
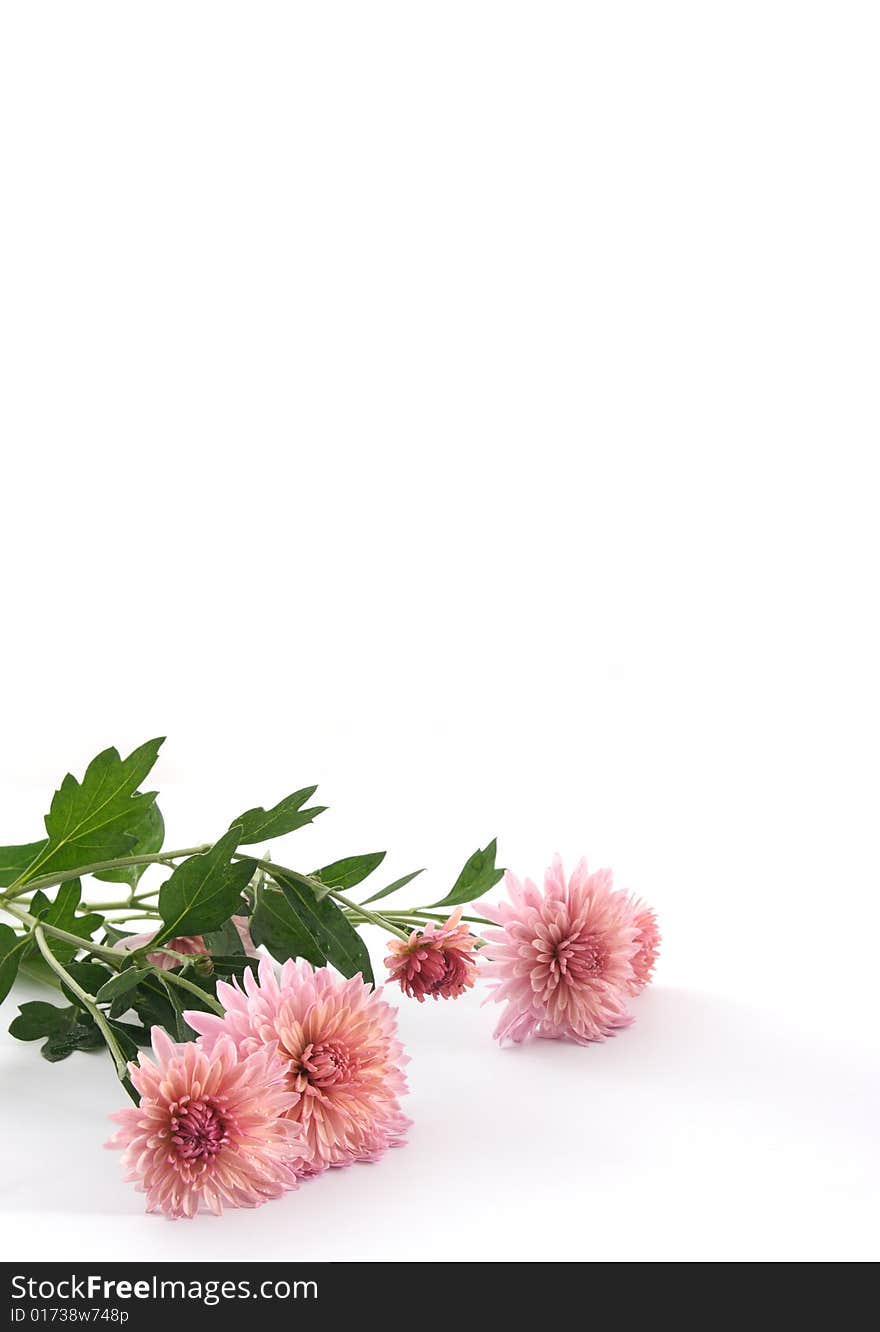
(438, 961)
(648, 940)
(193, 945)
(562, 959)
(339, 1041)
(210, 1129)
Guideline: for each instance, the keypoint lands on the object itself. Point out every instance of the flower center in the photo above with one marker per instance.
(581, 957)
(325, 1064)
(437, 970)
(197, 1130)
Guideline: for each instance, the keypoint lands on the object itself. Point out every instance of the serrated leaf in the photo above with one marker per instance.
(82, 1036)
(14, 860)
(393, 887)
(12, 949)
(38, 1019)
(203, 891)
(120, 984)
(40, 903)
(88, 821)
(477, 877)
(353, 869)
(333, 938)
(62, 913)
(66, 1029)
(148, 833)
(261, 825)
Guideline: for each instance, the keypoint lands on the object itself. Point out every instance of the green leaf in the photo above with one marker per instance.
(316, 930)
(393, 887)
(83, 1035)
(353, 869)
(279, 928)
(225, 940)
(40, 904)
(12, 948)
(62, 913)
(90, 975)
(150, 1002)
(149, 833)
(120, 984)
(159, 1003)
(204, 890)
(261, 825)
(477, 877)
(15, 859)
(66, 1029)
(89, 821)
(40, 1019)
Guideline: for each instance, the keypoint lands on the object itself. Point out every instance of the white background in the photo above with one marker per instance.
(471, 408)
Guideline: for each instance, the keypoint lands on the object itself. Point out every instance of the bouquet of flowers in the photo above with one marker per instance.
(245, 1078)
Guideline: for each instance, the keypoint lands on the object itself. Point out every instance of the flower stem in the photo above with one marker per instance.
(88, 945)
(121, 862)
(137, 914)
(121, 904)
(87, 1002)
(373, 917)
(184, 984)
(321, 890)
(434, 915)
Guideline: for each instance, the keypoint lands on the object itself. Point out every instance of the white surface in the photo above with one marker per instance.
(708, 1131)
(470, 408)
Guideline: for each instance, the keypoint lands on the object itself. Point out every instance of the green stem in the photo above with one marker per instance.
(418, 915)
(184, 984)
(120, 905)
(133, 915)
(87, 1002)
(372, 916)
(121, 862)
(100, 950)
(321, 890)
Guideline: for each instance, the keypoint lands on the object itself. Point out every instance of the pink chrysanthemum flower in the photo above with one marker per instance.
(210, 1129)
(648, 940)
(562, 960)
(192, 945)
(338, 1039)
(438, 961)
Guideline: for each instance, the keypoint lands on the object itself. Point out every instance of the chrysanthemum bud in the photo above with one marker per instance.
(437, 962)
